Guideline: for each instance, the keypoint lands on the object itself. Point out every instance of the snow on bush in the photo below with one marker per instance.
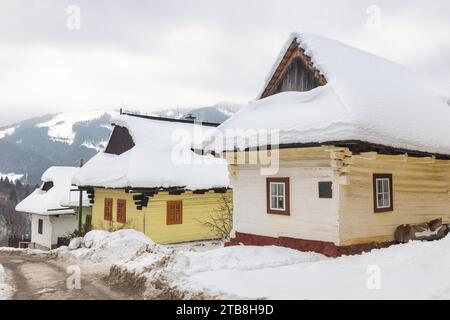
(75, 243)
(105, 247)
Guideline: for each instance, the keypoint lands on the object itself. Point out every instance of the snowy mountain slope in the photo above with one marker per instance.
(61, 127)
(28, 148)
(7, 131)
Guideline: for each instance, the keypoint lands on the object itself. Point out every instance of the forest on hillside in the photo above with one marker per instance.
(13, 223)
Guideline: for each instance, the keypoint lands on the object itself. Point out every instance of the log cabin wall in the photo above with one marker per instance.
(151, 220)
(420, 193)
(311, 217)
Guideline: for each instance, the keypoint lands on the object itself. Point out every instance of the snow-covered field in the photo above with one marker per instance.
(6, 290)
(417, 270)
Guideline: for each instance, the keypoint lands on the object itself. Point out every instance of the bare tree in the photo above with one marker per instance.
(220, 222)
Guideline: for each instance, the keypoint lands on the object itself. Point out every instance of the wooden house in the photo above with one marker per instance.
(149, 179)
(52, 218)
(361, 147)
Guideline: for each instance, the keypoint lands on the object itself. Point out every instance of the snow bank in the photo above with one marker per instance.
(239, 258)
(417, 270)
(107, 248)
(6, 290)
(366, 98)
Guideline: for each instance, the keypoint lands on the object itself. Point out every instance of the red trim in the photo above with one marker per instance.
(327, 248)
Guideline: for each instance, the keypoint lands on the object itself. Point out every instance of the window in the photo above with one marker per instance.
(277, 194)
(325, 189)
(174, 212)
(382, 192)
(47, 185)
(107, 212)
(40, 226)
(121, 211)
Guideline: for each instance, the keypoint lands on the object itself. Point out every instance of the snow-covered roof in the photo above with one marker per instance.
(365, 98)
(156, 160)
(49, 202)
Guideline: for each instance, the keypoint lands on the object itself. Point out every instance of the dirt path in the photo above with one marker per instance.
(37, 278)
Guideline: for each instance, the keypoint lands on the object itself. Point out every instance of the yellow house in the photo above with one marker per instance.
(149, 179)
(340, 148)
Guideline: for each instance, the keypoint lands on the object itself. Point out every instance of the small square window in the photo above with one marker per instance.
(325, 189)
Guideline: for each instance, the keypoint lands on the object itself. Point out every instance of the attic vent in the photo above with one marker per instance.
(120, 141)
(47, 186)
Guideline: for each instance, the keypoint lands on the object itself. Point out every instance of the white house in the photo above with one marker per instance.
(358, 146)
(49, 219)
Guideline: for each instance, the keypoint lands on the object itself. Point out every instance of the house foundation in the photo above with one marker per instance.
(327, 248)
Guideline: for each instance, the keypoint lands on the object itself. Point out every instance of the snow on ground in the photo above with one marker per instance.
(11, 176)
(7, 132)
(60, 127)
(103, 248)
(6, 290)
(417, 270)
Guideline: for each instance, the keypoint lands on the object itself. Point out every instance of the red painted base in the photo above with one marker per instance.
(327, 248)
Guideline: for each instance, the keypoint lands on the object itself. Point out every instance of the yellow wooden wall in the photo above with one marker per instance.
(420, 190)
(197, 208)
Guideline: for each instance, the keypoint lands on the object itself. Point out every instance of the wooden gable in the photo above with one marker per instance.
(294, 73)
(120, 141)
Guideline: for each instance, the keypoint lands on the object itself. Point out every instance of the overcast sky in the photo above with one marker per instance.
(154, 54)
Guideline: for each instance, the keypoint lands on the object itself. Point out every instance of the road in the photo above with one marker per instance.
(39, 278)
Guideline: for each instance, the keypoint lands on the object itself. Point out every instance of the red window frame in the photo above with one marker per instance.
(108, 209)
(121, 211)
(174, 207)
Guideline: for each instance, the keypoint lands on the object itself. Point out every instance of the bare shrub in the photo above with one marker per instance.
(220, 222)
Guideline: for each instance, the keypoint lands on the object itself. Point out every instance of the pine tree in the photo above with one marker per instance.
(13, 196)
